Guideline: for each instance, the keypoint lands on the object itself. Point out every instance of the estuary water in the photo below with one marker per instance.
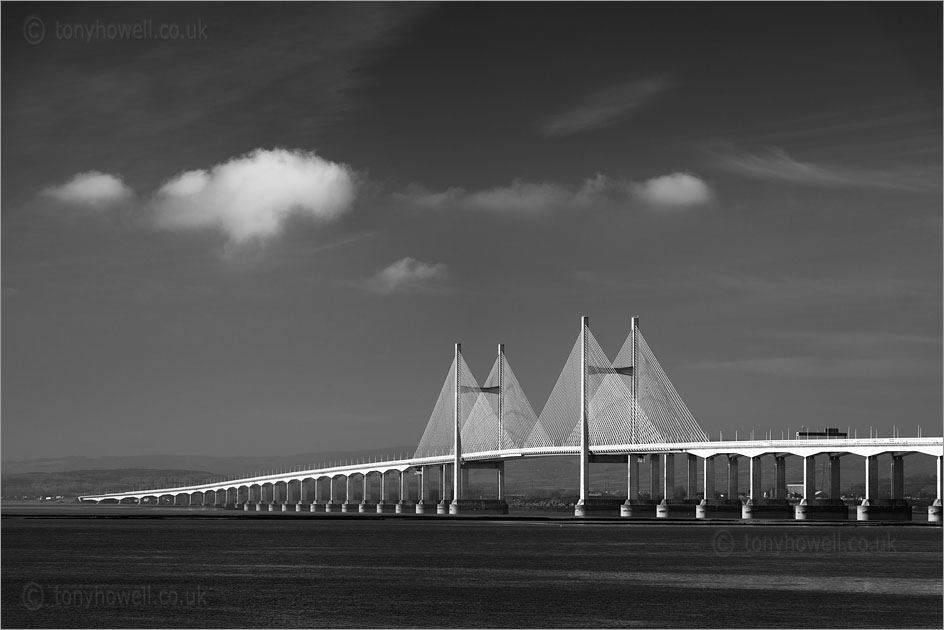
(180, 570)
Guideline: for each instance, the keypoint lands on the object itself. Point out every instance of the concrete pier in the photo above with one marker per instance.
(885, 510)
(365, 507)
(676, 509)
(821, 510)
(479, 506)
(767, 509)
(425, 507)
(935, 511)
(718, 509)
(638, 508)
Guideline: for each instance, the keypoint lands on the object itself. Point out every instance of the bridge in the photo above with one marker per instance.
(622, 411)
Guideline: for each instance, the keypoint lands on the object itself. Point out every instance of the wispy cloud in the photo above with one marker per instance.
(837, 285)
(520, 196)
(838, 354)
(777, 165)
(605, 107)
(91, 189)
(408, 275)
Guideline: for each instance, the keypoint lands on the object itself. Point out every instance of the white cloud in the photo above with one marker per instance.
(407, 274)
(605, 107)
(93, 189)
(251, 197)
(676, 190)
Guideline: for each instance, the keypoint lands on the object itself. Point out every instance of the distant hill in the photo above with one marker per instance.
(229, 465)
(75, 482)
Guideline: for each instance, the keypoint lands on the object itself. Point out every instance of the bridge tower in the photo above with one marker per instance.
(580, 508)
(457, 442)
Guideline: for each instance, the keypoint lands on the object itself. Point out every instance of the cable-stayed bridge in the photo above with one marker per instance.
(602, 411)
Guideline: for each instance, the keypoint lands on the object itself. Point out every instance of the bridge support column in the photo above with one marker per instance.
(457, 439)
(348, 505)
(823, 509)
(780, 468)
(582, 508)
(898, 478)
(443, 506)
(366, 505)
(501, 480)
(668, 485)
(383, 506)
(935, 509)
(733, 492)
(691, 489)
(759, 505)
(634, 506)
(871, 488)
(404, 505)
(302, 505)
(424, 505)
(262, 503)
(756, 504)
(708, 496)
(756, 490)
(835, 483)
(654, 476)
(315, 495)
(288, 497)
(809, 488)
(332, 505)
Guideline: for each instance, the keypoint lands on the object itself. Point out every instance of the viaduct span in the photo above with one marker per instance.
(601, 411)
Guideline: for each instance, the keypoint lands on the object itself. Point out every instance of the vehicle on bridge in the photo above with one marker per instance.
(829, 432)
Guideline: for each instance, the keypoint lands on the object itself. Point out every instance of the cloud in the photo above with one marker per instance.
(407, 275)
(522, 197)
(92, 189)
(605, 107)
(676, 190)
(250, 198)
(777, 165)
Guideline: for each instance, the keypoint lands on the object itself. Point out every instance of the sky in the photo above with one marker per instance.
(263, 236)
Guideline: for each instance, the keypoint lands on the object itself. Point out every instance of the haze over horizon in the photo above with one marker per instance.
(268, 239)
